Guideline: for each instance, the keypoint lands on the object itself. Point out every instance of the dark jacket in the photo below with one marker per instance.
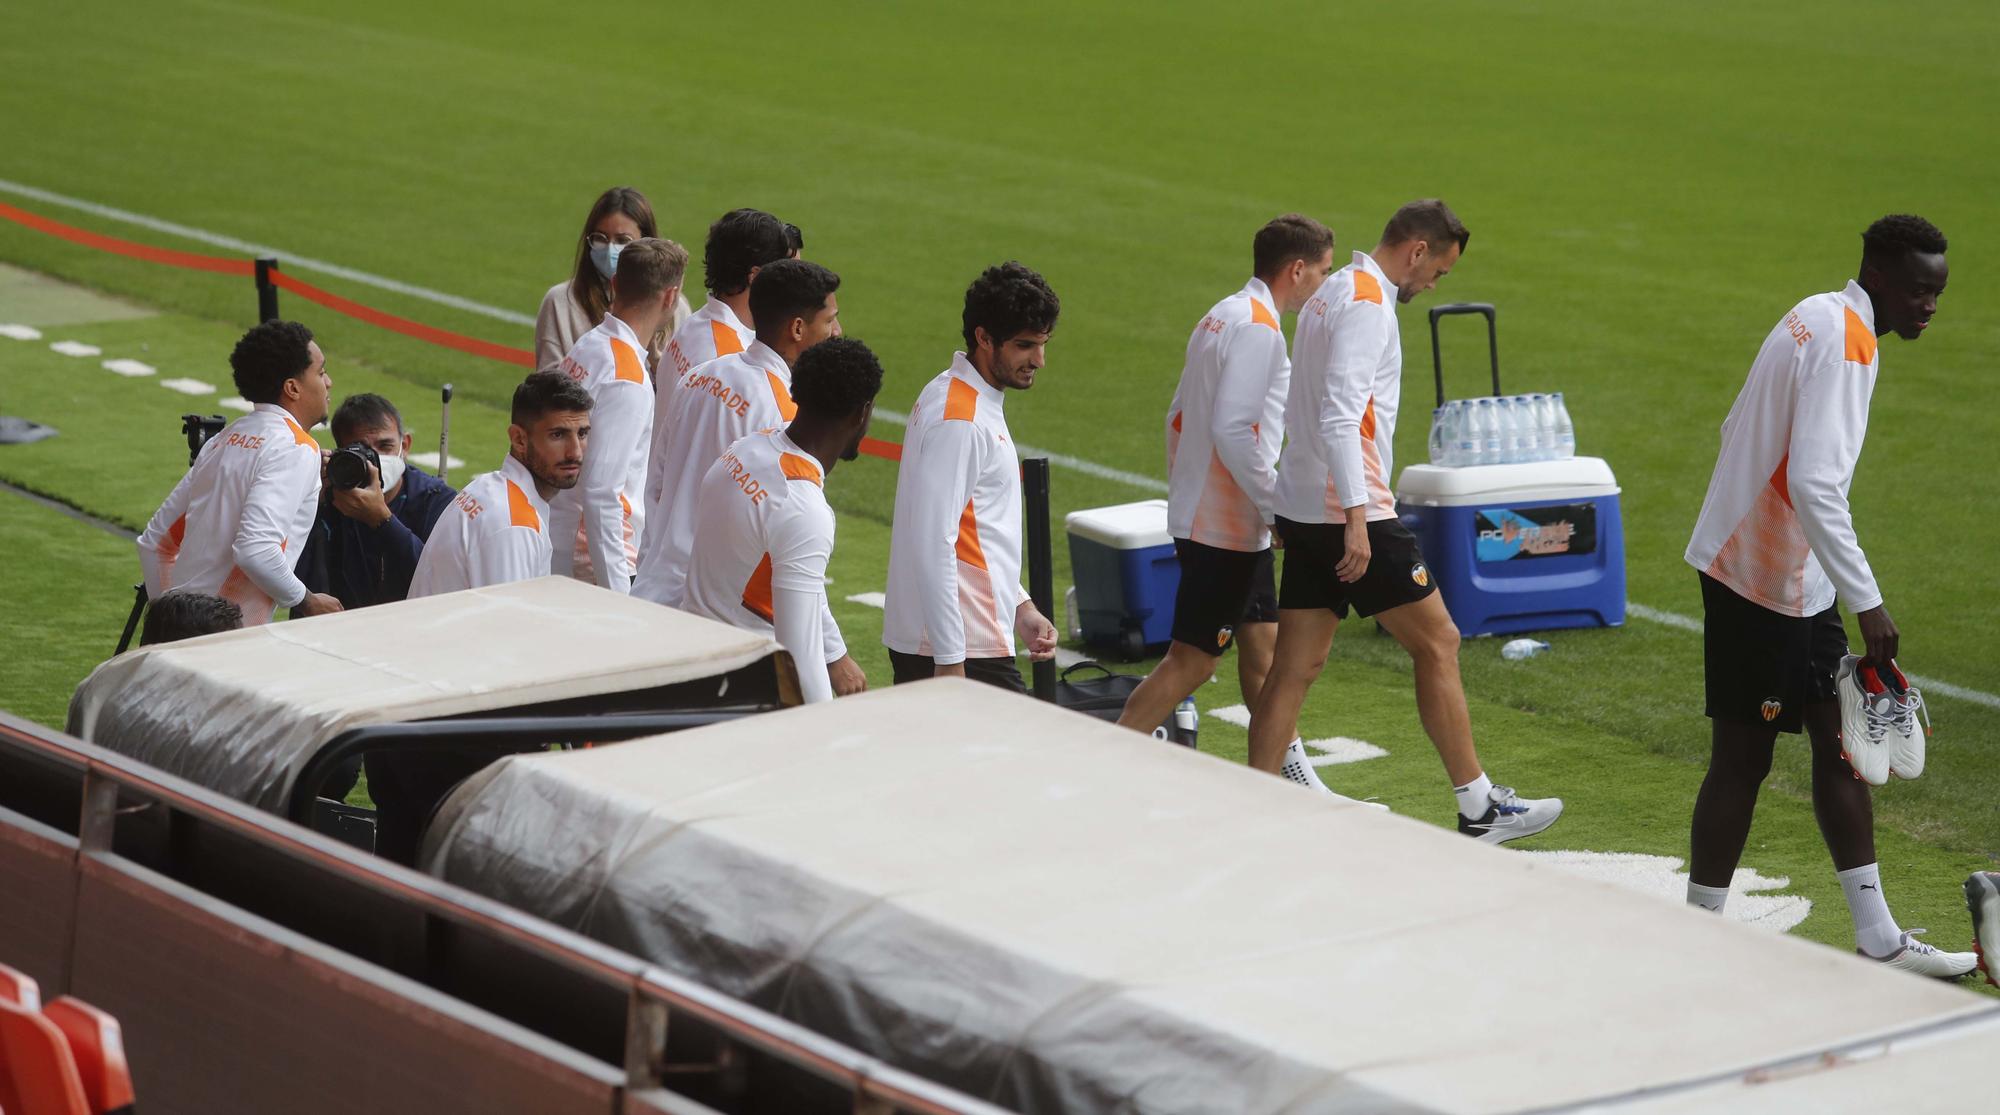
(361, 565)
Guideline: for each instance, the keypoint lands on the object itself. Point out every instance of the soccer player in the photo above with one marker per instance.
(1224, 429)
(599, 521)
(1775, 546)
(236, 523)
(955, 602)
(1344, 546)
(496, 531)
(740, 243)
(766, 529)
(718, 404)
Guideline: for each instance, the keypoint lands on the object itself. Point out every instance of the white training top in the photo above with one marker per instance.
(713, 331)
(955, 548)
(707, 410)
(560, 322)
(601, 518)
(1775, 526)
(227, 528)
(1347, 380)
(766, 536)
(492, 534)
(1226, 424)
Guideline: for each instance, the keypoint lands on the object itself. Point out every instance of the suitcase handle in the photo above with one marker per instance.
(1492, 340)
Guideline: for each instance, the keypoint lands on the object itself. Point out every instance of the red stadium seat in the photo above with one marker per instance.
(37, 1073)
(97, 1045)
(19, 989)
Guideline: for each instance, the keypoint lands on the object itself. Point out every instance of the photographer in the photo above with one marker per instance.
(376, 510)
(236, 523)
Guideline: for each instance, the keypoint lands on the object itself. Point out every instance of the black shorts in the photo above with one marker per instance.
(1396, 573)
(1763, 667)
(1000, 672)
(1220, 591)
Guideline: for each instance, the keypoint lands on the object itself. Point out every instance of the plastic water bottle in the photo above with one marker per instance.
(1185, 719)
(1565, 431)
(1545, 424)
(1518, 649)
(1437, 440)
(1503, 415)
(1489, 432)
(1530, 448)
(1465, 440)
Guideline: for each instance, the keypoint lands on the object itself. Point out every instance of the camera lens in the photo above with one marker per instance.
(348, 467)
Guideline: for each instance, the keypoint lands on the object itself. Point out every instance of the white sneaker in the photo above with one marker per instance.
(1915, 956)
(1511, 817)
(1879, 734)
(1982, 897)
(1298, 768)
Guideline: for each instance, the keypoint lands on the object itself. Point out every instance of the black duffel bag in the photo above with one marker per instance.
(1092, 689)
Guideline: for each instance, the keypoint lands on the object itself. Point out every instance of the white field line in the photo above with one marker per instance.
(1333, 752)
(1930, 686)
(287, 260)
(1075, 464)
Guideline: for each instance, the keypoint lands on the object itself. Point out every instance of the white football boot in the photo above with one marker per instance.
(1906, 737)
(1982, 897)
(1867, 709)
(1915, 956)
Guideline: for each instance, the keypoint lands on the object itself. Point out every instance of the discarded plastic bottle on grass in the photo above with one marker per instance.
(1518, 649)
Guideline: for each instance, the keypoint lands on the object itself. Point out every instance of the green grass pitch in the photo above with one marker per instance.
(1649, 188)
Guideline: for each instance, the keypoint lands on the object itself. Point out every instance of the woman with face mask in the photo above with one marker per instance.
(576, 305)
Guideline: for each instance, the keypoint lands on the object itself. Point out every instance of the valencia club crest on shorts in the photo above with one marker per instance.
(1772, 708)
(1223, 636)
(1420, 575)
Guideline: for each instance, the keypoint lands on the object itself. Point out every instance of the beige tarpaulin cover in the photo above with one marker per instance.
(1056, 915)
(242, 712)
(1948, 1070)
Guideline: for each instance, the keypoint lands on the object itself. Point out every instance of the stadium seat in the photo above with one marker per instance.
(37, 1073)
(97, 1045)
(19, 989)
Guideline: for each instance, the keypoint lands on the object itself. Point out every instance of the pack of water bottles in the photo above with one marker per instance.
(1502, 430)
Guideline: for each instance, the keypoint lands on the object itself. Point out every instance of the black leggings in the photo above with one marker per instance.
(1000, 672)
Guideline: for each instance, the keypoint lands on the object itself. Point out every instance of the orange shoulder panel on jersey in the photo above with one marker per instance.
(520, 512)
(301, 437)
(726, 343)
(969, 550)
(961, 402)
(1366, 289)
(757, 594)
(798, 468)
(1262, 316)
(626, 363)
(1860, 342)
(786, 408)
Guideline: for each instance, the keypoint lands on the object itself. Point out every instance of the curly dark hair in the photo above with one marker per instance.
(1898, 235)
(835, 378)
(1009, 300)
(267, 356)
(738, 241)
(184, 615)
(789, 288)
(544, 392)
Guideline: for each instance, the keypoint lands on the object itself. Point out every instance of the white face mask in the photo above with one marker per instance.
(392, 472)
(605, 259)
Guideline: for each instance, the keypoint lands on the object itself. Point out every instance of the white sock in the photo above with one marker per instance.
(1708, 898)
(1875, 931)
(1298, 768)
(1475, 797)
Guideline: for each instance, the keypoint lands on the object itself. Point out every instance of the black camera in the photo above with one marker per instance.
(347, 466)
(199, 429)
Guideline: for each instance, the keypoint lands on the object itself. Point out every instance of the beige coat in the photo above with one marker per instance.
(561, 321)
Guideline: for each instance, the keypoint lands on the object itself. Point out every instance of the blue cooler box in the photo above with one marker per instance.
(1122, 560)
(1523, 547)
